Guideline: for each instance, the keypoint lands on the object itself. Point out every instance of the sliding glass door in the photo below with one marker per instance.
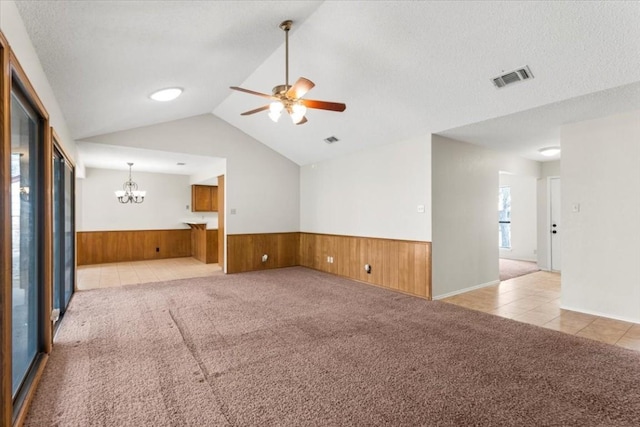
(26, 231)
(63, 232)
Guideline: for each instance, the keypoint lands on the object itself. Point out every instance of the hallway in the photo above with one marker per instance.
(535, 299)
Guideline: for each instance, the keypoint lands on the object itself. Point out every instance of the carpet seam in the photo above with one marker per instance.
(191, 347)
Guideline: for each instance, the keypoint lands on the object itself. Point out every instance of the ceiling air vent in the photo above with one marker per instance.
(512, 77)
(331, 140)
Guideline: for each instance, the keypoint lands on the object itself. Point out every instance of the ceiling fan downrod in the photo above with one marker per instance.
(286, 26)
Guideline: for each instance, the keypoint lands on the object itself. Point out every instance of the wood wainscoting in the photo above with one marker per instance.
(401, 265)
(204, 244)
(245, 251)
(99, 247)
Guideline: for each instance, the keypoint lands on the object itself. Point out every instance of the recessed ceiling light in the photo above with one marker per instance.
(549, 151)
(166, 94)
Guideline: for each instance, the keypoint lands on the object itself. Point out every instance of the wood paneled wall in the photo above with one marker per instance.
(221, 221)
(204, 244)
(212, 246)
(400, 265)
(245, 251)
(98, 247)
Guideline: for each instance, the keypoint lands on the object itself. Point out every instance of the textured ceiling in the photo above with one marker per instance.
(403, 68)
(524, 133)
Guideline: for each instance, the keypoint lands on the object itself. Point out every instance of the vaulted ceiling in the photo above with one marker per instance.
(403, 68)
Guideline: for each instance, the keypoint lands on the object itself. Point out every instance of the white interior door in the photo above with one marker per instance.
(554, 224)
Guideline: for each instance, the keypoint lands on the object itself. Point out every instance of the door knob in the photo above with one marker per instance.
(554, 231)
(554, 225)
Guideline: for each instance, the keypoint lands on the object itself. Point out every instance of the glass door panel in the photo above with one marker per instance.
(25, 134)
(63, 232)
(69, 234)
(58, 233)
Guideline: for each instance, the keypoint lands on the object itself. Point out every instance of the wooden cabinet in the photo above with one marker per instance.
(204, 198)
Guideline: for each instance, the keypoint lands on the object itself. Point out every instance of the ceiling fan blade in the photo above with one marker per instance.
(299, 88)
(323, 105)
(257, 110)
(252, 92)
(303, 121)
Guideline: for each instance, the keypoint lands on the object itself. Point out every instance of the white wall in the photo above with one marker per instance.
(465, 215)
(523, 217)
(548, 169)
(164, 207)
(601, 242)
(372, 193)
(13, 28)
(260, 184)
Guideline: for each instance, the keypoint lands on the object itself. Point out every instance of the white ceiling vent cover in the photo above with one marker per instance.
(518, 75)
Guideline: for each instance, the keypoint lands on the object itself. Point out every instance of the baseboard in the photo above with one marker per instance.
(599, 314)
(462, 291)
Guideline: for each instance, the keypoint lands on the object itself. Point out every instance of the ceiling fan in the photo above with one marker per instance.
(289, 98)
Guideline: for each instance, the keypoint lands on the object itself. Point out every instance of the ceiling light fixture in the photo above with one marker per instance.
(289, 98)
(549, 151)
(129, 192)
(168, 94)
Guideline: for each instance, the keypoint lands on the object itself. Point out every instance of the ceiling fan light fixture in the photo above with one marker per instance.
(275, 110)
(165, 95)
(297, 112)
(288, 97)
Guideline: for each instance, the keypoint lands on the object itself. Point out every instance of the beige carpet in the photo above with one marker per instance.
(510, 268)
(296, 347)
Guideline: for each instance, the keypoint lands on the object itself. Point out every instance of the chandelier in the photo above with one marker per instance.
(129, 192)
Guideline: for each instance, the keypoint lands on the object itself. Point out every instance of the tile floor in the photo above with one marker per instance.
(129, 273)
(535, 299)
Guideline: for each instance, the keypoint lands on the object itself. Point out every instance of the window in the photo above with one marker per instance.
(504, 217)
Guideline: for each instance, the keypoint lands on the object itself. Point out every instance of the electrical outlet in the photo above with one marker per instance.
(367, 268)
(157, 249)
(265, 257)
(331, 260)
(328, 259)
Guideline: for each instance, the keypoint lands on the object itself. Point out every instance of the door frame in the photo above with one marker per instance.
(548, 221)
